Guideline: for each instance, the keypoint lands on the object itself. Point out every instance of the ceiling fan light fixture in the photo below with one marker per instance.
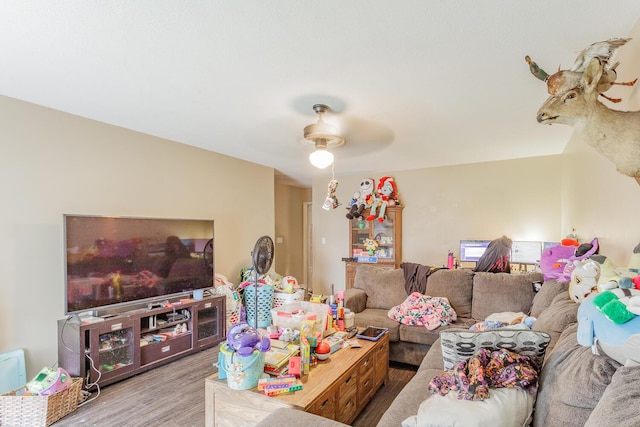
(321, 158)
(322, 135)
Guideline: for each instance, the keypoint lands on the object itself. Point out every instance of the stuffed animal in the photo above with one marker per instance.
(331, 202)
(362, 198)
(584, 279)
(620, 341)
(370, 245)
(244, 339)
(608, 276)
(288, 284)
(555, 258)
(583, 251)
(387, 196)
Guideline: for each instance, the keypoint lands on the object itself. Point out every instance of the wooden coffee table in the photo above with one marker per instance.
(338, 388)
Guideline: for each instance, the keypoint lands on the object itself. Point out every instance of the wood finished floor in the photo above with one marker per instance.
(173, 395)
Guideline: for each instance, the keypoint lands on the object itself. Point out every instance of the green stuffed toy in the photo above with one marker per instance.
(618, 305)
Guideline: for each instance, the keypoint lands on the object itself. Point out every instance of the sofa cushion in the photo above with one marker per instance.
(550, 288)
(433, 359)
(355, 299)
(378, 317)
(384, 288)
(561, 313)
(615, 408)
(572, 382)
(460, 345)
(418, 334)
(498, 292)
(456, 286)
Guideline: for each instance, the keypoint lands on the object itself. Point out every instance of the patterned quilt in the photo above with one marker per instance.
(423, 310)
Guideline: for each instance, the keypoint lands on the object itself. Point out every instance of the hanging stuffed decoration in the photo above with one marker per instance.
(331, 202)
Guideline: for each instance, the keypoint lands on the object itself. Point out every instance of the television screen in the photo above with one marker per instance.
(526, 252)
(112, 261)
(472, 250)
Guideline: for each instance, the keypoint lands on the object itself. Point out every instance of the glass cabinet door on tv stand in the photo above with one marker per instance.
(111, 347)
(387, 234)
(209, 317)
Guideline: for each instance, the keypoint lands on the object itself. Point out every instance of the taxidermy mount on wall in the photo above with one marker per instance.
(574, 101)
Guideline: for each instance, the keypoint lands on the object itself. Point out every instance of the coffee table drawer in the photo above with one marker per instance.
(366, 387)
(381, 356)
(347, 404)
(325, 405)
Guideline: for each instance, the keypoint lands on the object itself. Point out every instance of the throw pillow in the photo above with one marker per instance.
(384, 288)
(507, 407)
(460, 345)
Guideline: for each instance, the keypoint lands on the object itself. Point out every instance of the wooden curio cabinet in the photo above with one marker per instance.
(388, 234)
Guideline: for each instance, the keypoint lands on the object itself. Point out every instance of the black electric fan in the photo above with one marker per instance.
(262, 257)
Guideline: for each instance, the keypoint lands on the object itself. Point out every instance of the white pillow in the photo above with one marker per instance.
(505, 407)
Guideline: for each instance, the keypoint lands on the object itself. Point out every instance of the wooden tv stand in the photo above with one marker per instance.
(123, 345)
(338, 388)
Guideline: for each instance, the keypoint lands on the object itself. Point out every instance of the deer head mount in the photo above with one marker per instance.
(614, 134)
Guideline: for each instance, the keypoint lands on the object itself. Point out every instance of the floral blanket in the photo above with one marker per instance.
(473, 377)
(423, 310)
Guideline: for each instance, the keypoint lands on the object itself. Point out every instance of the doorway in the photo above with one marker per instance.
(307, 257)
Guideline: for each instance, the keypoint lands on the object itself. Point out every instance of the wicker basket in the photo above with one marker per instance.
(282, 298)
(32, 411)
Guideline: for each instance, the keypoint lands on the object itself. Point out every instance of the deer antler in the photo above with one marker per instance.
(537, 72)
(563, 80)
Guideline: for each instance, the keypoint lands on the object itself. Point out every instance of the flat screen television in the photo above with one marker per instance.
(112, 262)
(472, 250)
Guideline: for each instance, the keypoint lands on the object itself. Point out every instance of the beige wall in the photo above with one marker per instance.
(53, 163)
(444, 205)
(289, 228)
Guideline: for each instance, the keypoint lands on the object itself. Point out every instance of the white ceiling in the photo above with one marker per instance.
(413, 84)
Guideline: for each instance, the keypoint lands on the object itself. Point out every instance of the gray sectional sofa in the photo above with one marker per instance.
(473, 296)
(576, 387)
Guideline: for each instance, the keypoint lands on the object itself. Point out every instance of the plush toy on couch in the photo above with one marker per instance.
(610, 320)
(556, 262)
(584, 279)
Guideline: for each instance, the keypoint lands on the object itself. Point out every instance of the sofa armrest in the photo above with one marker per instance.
(355, 300)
